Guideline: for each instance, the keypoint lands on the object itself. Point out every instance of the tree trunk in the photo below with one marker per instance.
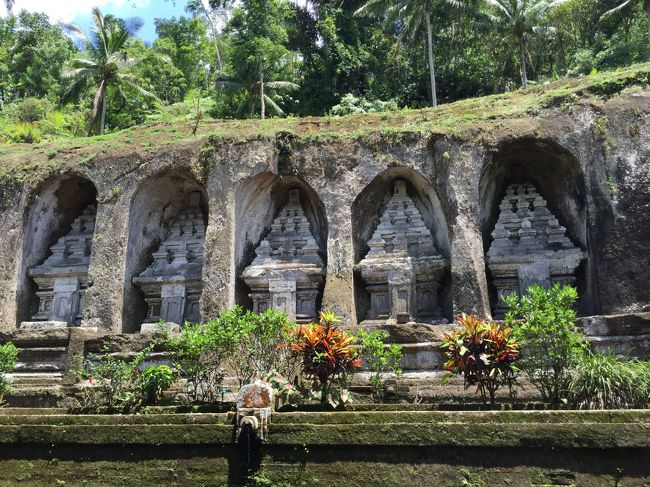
(524, 75)
(102, 122)
(432, 72)
(262, 90)
(213, 26)
(647, 13)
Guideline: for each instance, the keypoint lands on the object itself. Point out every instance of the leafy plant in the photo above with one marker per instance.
(259, 344)
(8, 359)
(119, 384)
(483, 353)
(606, 381)
(327, 354)
(199, 353)
(543, 321)
(155, 380)
(380, 359)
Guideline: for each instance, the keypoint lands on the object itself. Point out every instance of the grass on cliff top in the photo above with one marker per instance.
(19, 160)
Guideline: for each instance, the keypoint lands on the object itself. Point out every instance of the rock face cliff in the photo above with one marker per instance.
(585, 149)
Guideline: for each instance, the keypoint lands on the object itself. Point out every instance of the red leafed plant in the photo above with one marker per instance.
(483, 353)
(327, 354)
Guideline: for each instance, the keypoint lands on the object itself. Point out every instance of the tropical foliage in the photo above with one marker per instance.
(606, 381)
(544, 322)
(8, 359)
(327, 355)
(380, 359)
(483, 353)
(118, 384)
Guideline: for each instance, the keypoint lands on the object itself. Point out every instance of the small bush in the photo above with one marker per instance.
(606, 381)
(117, 384)
(155, 380)
(258, 347)
(543, 321)
(8, 359)
(380, 359)
(327, 355)
(351, 104)
(199, 353)
(483, 353)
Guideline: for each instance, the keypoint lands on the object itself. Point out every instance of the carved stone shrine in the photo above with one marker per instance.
(530, 246)
(288, 272)
(403, 268)
(172, 283)
(62, 279)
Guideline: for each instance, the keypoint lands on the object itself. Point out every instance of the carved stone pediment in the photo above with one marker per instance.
(288, 271)
(172, 283)
(530, 246)
(403, 268)
(62, 278)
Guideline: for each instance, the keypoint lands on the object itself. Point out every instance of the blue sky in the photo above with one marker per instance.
(78, 11)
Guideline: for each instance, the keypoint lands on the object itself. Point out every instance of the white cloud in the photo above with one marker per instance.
(67, 10)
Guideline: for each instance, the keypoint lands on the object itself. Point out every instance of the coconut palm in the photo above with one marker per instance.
(629, 3)
(411, 13)
(104, 63)
(519, 19)
(260, 91)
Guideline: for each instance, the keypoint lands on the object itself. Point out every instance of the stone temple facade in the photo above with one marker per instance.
(403, 268)
(62, 279)
(288, 272)
(530, 246)
(172, 283)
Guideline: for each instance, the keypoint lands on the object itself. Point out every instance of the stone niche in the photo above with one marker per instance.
(288, 272)
(172, 283)
(403, 269)
(62, 278)
(529, 245)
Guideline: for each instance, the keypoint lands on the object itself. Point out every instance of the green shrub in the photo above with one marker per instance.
(606, 381)
(258, 347)
(155, 380)
(199, 353)
(120, 384)
(351, 104)
(380, 359)
(483, 354)
(543, 321)
(8, 359)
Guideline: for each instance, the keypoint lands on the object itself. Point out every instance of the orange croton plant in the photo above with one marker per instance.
(327, 354)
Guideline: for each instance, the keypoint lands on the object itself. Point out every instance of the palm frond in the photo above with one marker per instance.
(616, 9)
(282, 86)
(273, 105)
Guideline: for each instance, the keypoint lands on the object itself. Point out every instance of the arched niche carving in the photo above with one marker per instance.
(57, 241)
(280, 246)
(164, 264)
(401, 250)
(533, 209)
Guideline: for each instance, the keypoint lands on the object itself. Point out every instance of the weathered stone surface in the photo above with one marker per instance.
(402, 269)
(287, 273)
(530, 246)
(258, 395)
(62, 279)
(172, 283)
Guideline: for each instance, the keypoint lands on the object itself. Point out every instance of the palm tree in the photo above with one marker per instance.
(260, 91)
(519, 19)
(9, 4)
(104, 64)
(629, 3)
(411, 12)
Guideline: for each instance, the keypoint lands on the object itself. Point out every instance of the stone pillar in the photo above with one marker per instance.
(282, 293)
(172, 309)
(66, 300)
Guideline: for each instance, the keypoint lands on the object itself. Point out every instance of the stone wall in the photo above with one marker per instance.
(389, 448)
(591, 165)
